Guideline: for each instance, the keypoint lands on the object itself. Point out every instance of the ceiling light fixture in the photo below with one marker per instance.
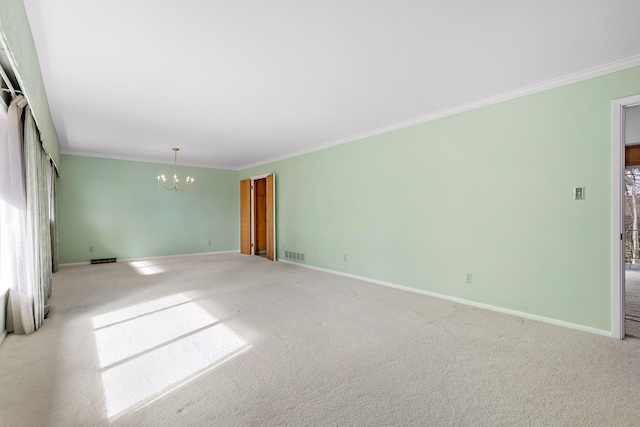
(176, 181)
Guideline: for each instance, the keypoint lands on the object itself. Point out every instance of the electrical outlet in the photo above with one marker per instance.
(469, 278)
(578, 193)
(90, 248)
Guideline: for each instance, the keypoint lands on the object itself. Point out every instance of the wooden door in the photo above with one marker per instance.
(245, 216)
(271, 217)
(260, 216)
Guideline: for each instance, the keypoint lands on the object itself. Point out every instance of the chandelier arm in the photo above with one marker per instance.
(173, 187)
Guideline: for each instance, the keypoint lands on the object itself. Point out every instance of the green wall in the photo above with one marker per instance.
(488, 191)
(116, 207)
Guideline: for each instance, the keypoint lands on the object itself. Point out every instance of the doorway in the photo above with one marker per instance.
(625, 243)
(260, 217)
(257, 216)
(632, 221)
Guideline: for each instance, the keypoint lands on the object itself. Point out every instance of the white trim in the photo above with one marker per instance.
(70, 264)
(141, 160)
(463, 301)
(179, 255)
(264, 175)
(275, 231)
(589, 73)
(253, 219)
(252, 204)
(617, 219)
(617, 274)
(600, 70)
(3, 336)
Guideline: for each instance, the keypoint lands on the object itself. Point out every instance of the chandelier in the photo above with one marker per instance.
(176, 181)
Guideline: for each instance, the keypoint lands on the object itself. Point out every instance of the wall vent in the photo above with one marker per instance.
(103, 260)
(296, 256)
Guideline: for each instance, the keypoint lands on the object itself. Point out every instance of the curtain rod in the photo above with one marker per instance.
(4, 76)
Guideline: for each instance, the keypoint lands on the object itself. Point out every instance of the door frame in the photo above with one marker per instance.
(253, 238)
(617, 212)
(253, 213)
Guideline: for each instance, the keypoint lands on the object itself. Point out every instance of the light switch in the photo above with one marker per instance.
(578, 193)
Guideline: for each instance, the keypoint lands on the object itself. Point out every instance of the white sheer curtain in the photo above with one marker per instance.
(38, 225)
(53, 214)
(25, 227)
(15, 251)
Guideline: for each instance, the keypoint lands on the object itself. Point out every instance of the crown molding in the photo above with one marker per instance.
(142, 160)
(589, 73)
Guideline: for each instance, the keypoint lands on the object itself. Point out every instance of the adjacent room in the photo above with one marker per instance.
(319, 213)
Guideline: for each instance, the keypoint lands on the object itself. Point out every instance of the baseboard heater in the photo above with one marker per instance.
(103, 260)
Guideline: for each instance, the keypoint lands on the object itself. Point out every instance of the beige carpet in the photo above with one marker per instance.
(232, 340)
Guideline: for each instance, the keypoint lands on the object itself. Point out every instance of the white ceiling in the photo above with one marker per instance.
(235, 83)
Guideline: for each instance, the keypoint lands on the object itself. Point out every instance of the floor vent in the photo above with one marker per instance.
(296, 256)
(103, 260)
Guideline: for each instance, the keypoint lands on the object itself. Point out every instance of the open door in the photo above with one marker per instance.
(257, 227)
(271, 217)
(245, 216)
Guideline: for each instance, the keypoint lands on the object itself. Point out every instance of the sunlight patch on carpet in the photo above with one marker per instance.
(126, 339)
(146, 267)
(146, 351)
(138, 310)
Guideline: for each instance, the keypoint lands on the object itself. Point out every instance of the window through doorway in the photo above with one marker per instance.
(632, 222)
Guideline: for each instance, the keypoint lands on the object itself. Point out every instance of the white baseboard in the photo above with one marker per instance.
(462, 301)
(177, 256)
(154, 257)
